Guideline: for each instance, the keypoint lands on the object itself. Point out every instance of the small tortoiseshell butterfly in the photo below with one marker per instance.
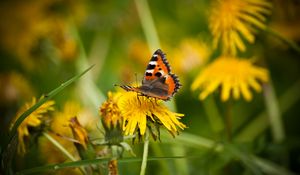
(158, 80)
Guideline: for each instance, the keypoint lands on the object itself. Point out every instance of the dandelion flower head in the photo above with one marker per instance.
(231, 21)
(112, 119)
(232, 75)
(33, 120)
(110, 111)
(136, 110)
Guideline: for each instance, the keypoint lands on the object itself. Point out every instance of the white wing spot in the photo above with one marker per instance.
(153, 62)
(149, 71)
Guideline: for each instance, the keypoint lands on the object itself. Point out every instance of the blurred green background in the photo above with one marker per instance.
(44, 43)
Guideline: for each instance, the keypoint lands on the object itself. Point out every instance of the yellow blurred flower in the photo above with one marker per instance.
(33, 120)
(62, 132)
(22, 33)
(139, 56)
(63, 40)
(79, 133)
(61, 119)
(14, 86)
(139, 52)
(231, 74)
(137, 110)
(189, 55)
(231, 21)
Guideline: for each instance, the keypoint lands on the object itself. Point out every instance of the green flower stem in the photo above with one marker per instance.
(274, 115)
(291, 43)
(145, 153)
(63, 150)
(147, 24)
(228, 120)
(115, 155)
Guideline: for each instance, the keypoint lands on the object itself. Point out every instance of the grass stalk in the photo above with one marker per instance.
(275, 118)
(63, 150)
(147, 24)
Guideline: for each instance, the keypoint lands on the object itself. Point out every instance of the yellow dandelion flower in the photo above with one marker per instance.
(33, 120)
(110, 112)
(231, 74)
(111, 118)
(232, 20)
(136, 110)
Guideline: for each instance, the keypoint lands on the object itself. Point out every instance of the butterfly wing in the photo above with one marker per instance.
(158, 80)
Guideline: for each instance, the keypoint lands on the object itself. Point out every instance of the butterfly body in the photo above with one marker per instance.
(158, 80)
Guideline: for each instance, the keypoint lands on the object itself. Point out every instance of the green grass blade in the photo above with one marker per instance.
(89, 162)
(59, 166)
(269, 167)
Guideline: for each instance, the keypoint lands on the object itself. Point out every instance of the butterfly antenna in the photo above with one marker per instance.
(136, 78)
(137, 96)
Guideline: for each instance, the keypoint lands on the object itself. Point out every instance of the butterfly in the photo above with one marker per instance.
(158, 81)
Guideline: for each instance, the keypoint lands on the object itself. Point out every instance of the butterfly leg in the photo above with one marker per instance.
(138, 98)
(153, 102)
